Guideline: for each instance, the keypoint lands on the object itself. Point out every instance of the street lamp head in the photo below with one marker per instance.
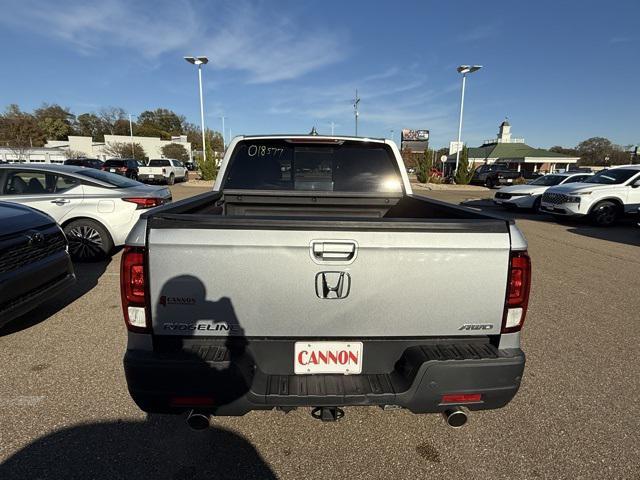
(197, 60)
(464, 69)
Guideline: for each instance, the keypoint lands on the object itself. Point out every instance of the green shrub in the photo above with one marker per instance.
(464, 173)
(425, 164)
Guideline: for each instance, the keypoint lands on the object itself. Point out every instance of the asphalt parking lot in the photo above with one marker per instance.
(65, 411)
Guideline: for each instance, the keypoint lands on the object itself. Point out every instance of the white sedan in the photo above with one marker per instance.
(530, 194)
(95, 209)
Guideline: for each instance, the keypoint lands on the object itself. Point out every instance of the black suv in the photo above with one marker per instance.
(126, 166)
(34, 262)
(85, 162)
(492, 175)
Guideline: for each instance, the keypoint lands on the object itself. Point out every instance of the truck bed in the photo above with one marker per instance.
(258, 256)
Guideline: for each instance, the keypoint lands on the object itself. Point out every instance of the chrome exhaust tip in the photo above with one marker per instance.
(455, 417)
(198, 420)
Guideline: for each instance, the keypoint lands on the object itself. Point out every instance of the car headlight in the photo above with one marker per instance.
(577, 197)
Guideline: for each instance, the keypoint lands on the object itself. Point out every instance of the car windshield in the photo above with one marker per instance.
(159, 163)
(344, 166)
(612, 176)
(118, 181)
(548, 180)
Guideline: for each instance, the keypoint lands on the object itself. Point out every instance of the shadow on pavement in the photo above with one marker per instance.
(161, 448)
(87, 275)
(625, 231)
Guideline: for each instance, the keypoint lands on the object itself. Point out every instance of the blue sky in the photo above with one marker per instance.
(562, 71)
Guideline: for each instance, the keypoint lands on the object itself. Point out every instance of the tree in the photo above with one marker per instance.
(89, 125)
(20, 131)
(161, 122)
(175, 151)
(72, 154)
(110, 116)
(209, 167)
(425, 164)
(194, 135)
(56, 122)
(464, 173)
(408, 158)
(124, 150)
(571, 152)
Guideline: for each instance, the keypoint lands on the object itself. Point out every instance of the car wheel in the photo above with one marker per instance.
(88, 240)
(489, 183)
(171, 180)
(536, 205)
(604, 214)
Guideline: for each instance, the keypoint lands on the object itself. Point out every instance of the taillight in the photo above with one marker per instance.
(518, 286)
(144, 202)
(133, 289)
(458, 398)
(122, 169)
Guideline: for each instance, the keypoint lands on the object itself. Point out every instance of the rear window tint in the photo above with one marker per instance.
(159, 163)
(348, 166)
(114, 163)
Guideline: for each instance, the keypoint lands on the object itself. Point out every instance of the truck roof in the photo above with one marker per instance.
(316, 137)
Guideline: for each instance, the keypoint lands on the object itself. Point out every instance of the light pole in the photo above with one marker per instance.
(463, 69)
(199, 61)
(224, 139)
(392, 138)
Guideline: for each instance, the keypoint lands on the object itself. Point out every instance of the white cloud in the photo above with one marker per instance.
(264, 45)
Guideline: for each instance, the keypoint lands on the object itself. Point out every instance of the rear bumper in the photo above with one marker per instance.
(225, 382)
(152, 178)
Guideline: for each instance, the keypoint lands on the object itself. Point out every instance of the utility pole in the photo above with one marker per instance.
(133, 155)
(332, 128)
(356, 101)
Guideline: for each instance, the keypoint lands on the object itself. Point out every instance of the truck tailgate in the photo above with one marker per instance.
(364, 282)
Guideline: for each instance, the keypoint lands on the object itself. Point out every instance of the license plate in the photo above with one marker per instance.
(328, 357)
(151, 176)
(112, 169)
(509, 180)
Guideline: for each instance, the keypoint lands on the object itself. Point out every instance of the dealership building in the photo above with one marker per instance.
(57, 151)
(514, 152)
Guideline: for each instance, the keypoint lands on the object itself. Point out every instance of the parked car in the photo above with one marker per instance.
(191, 165)
(127, 167)
(96, 209)
(85, 162)
(164, 170)
(603, 197)
(530, 194)
(34, 262)
(286, 287)
(495, 174)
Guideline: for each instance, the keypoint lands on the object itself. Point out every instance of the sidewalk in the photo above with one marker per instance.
(444, 186)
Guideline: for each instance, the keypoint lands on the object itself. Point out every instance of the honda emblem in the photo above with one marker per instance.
(333, 285)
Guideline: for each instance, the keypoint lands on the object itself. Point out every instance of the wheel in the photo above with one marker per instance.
(88, 240)
(536, 205)
(604, 214)
(489, 183)
(171, 180)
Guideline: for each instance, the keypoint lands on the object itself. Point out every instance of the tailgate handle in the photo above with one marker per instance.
(333, 250)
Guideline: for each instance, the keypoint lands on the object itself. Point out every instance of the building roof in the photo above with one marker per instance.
(512, 151)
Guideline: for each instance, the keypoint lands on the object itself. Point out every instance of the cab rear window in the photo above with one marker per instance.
(344, 166)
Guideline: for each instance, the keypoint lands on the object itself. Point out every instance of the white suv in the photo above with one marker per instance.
(604, 197)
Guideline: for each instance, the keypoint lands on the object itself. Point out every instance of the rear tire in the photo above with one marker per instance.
(89, 241)
(604, 214)
(171, 180)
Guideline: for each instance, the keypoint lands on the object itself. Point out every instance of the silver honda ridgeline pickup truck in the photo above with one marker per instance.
(311, 276)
